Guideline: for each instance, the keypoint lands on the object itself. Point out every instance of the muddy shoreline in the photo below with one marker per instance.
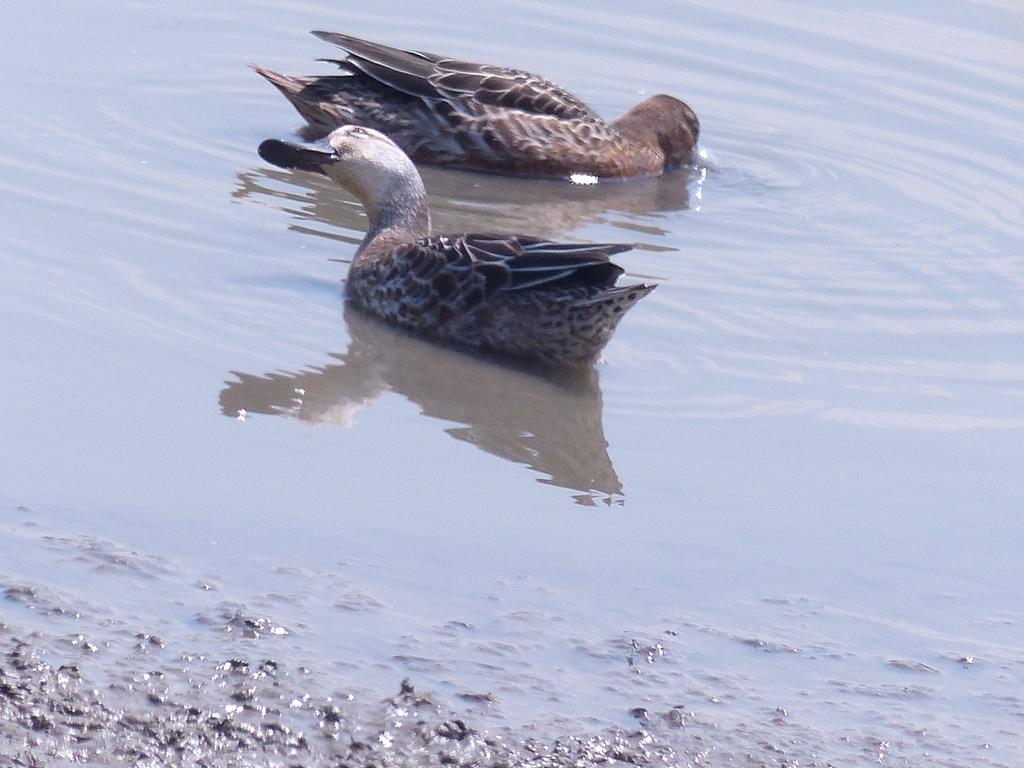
(198, 710)
(131, 658)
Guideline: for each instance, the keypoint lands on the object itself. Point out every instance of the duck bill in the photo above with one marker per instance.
(284, 154)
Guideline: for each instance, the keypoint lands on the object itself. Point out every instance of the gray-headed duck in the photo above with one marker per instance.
(555, 302)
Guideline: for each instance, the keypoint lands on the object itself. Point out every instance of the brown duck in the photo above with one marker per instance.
(555, 302)
(447, 112)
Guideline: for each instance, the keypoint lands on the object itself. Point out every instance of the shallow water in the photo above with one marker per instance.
(788, 499)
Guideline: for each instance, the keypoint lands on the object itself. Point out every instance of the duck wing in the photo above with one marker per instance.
(453, 274)
(473, 87)
(516, 262)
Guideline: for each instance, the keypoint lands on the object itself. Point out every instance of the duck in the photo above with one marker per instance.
(552, 302)
(481, 117)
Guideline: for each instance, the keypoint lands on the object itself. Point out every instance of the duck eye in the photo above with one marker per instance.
(357, 131)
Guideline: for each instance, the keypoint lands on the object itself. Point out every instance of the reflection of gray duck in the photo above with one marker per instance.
(547, 420)
(555, 302)
(443, 111)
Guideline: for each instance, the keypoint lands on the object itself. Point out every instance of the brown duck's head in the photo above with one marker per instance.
(665, 122)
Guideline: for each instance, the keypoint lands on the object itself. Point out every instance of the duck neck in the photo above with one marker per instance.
(397, 213)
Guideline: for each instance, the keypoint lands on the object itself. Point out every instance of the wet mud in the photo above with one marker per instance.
(112, 655)
(196, 710)
(78, 688)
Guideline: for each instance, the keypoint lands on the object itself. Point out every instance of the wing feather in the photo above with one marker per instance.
(406, 71)
(514, 263)
(472, 87)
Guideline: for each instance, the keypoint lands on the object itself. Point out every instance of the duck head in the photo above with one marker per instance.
(367, 163)
(665, 122)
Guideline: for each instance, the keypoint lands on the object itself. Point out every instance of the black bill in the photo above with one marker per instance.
(286, 155)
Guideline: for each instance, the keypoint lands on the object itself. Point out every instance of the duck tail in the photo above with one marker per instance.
(619, 300)
(286, 84)
(594, 320)
(299, 91)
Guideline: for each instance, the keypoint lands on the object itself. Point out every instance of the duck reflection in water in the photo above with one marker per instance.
(469, 202)
(546, 419)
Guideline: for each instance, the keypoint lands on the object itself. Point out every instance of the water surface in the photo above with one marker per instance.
(789, 499)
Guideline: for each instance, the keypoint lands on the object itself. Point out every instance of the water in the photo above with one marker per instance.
(797, 470)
